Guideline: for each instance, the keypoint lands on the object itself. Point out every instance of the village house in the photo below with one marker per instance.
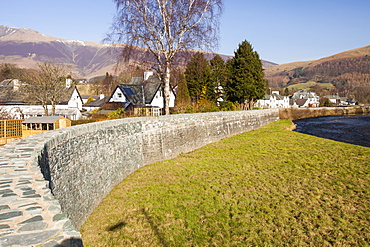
(13, 100)
(273, 100)
(337, 100)
(144, 94)
(304, 98)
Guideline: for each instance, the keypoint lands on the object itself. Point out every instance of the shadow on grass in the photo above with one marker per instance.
(117, 226)
(155, 228)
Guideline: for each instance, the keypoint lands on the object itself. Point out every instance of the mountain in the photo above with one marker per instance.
(26, 47)
(352, 65)
(348, 74)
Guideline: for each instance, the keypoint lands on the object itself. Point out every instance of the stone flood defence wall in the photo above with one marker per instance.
(51, 182)
(300, 113)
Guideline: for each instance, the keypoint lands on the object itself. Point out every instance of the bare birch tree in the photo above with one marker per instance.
(45, 86)
(166, 28)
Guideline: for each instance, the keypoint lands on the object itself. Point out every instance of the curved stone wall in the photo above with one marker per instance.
(51, 182)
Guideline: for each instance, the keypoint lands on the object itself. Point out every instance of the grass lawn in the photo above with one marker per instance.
(309, 84)
(267, 187)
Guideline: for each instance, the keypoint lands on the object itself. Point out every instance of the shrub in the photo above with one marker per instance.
(227, 106)
(119, 113)
(207, 106)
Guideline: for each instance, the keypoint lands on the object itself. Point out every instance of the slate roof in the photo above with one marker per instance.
(67, 93)
(300, 102)
(304, 94)
(6, 82)
(10, 96)
(97, 103)
(277, 96)
(140, 92)
(95, 97)
(47, 119)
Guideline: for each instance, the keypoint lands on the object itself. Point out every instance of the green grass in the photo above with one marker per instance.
(310, 84)
(267, 187)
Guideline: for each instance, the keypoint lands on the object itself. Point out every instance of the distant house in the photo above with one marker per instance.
(337, 100)
(35, 125)
(15, 102)
(273, 100)
(144, 93)
(304, 98)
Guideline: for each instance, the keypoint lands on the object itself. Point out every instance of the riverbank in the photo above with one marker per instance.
(300, 113)
(267, 187)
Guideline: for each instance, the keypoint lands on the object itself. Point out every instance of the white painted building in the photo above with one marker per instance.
(273, 100)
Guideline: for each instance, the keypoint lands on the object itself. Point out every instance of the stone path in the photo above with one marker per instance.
(29, 214)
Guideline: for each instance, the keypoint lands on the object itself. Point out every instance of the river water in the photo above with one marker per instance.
(354, 129)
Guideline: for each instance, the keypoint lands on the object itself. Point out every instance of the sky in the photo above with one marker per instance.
(280, 31)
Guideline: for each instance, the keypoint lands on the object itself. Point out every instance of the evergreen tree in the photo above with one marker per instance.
(197, 76)
(182, 97)
(246, 82)
(218, 75)
(108, 83)
(286, 91)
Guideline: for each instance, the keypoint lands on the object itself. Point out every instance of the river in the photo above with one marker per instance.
(354, 129)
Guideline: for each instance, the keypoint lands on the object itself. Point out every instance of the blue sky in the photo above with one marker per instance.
(280, 31)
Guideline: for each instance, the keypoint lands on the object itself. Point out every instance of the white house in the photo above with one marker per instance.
(142, 92)
(14, 101)
(273, 100)
(304, 98)
(74, 99)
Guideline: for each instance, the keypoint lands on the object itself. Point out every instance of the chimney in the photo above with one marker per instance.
(147, 74)
(68, 82)
(101, 96)
(16, 84)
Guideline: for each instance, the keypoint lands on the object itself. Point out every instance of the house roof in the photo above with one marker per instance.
(10, 96)
(97, 103)
(66, 95)
(6, 82)
(277, 96)
(48, 119)
(304, 94)
(300, 102)
(140, 91)
(95, 97)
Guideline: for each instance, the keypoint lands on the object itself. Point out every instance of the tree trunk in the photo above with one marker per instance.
(53, 109)
(46, 111)
(166, 90)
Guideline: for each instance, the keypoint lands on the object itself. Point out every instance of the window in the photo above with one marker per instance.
(119, 95)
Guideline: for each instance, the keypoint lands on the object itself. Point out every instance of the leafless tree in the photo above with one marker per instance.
(166, 28)
(5, 114)
(45, 86)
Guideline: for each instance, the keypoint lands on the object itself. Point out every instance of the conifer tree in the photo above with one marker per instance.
(218, 75)
(246, 82)
(182, 97)
(197, 76)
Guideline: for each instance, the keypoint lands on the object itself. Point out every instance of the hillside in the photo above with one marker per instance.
(26, 47)
(348, 72)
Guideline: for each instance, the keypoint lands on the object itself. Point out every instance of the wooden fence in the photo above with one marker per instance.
(10, 130)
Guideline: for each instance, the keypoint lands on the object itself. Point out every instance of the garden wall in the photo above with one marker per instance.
(81, 164)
